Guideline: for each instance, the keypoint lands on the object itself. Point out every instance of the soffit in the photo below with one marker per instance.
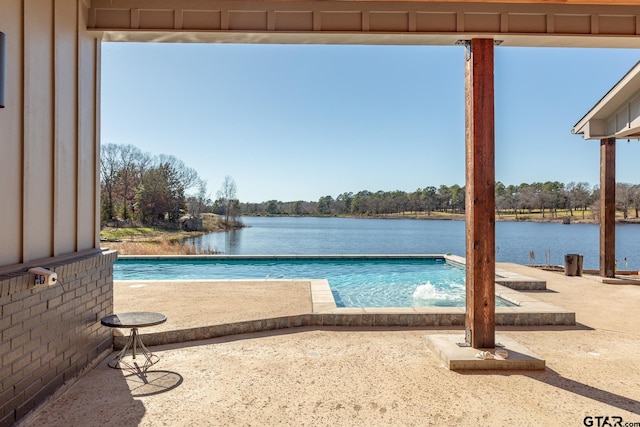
(558, 23)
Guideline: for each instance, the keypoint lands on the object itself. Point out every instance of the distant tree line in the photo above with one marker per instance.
(150, 189)
(547, 198)
(138, 188)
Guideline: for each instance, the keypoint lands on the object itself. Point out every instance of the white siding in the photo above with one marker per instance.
(48, 138)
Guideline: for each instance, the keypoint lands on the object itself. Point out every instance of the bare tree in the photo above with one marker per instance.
(121, 170)
(635, 197)
(187, 177)
(227, 195)
(133, 163)
(109, 171)
(579, 196)
(198, 203)
(624, 197)
(526, 197)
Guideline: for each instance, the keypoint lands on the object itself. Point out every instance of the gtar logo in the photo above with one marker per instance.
(602, 421)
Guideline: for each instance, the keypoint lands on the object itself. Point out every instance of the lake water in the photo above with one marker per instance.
(514, 240)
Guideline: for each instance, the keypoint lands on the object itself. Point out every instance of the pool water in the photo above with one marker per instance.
(354, 282)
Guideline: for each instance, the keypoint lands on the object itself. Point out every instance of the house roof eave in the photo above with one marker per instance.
(611, 102)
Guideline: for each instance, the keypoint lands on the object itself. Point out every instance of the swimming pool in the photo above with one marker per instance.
(355, 281)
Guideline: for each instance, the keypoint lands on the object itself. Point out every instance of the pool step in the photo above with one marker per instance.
(522, 283)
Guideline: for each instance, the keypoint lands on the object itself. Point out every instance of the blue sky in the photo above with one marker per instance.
(297, 122)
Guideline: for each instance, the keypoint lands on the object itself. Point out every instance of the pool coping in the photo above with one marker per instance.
(454, 258)
(527, 311)
(503, 277)
(325, 313)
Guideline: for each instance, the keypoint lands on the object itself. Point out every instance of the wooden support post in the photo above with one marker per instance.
(608, 207)
(480, 194)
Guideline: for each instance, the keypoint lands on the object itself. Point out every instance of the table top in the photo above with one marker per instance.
(138, 319)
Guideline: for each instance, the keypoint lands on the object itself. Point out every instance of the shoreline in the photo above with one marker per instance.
(172, 242)
(461, 217)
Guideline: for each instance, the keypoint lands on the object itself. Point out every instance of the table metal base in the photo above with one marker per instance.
(122, 361)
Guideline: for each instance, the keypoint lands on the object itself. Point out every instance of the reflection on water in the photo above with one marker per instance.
(231, 240)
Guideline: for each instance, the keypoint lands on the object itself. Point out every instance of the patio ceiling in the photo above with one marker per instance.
(558, 23)
(617, 114)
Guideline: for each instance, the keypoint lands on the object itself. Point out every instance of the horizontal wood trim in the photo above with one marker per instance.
(595, 23)
(543, 2)
(567, 23)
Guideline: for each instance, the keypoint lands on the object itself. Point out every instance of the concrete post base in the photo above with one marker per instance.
(457, 358)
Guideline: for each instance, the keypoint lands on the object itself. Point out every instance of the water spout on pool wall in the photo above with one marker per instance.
(428, 293)
(425, 291)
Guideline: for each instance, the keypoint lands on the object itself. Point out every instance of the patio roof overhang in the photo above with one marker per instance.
(522, 23)
(617, 114)
(477, 24)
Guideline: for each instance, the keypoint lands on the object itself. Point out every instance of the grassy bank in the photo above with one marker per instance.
(150, 241)
(158, 247)
(159, 241)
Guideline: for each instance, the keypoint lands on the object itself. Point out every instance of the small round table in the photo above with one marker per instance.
(134, 320)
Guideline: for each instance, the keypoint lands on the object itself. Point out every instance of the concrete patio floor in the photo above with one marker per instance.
(363, 376)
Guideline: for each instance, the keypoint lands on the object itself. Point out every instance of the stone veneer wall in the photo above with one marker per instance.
(50, 333)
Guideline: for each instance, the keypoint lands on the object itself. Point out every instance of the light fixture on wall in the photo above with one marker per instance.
(2, 53)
